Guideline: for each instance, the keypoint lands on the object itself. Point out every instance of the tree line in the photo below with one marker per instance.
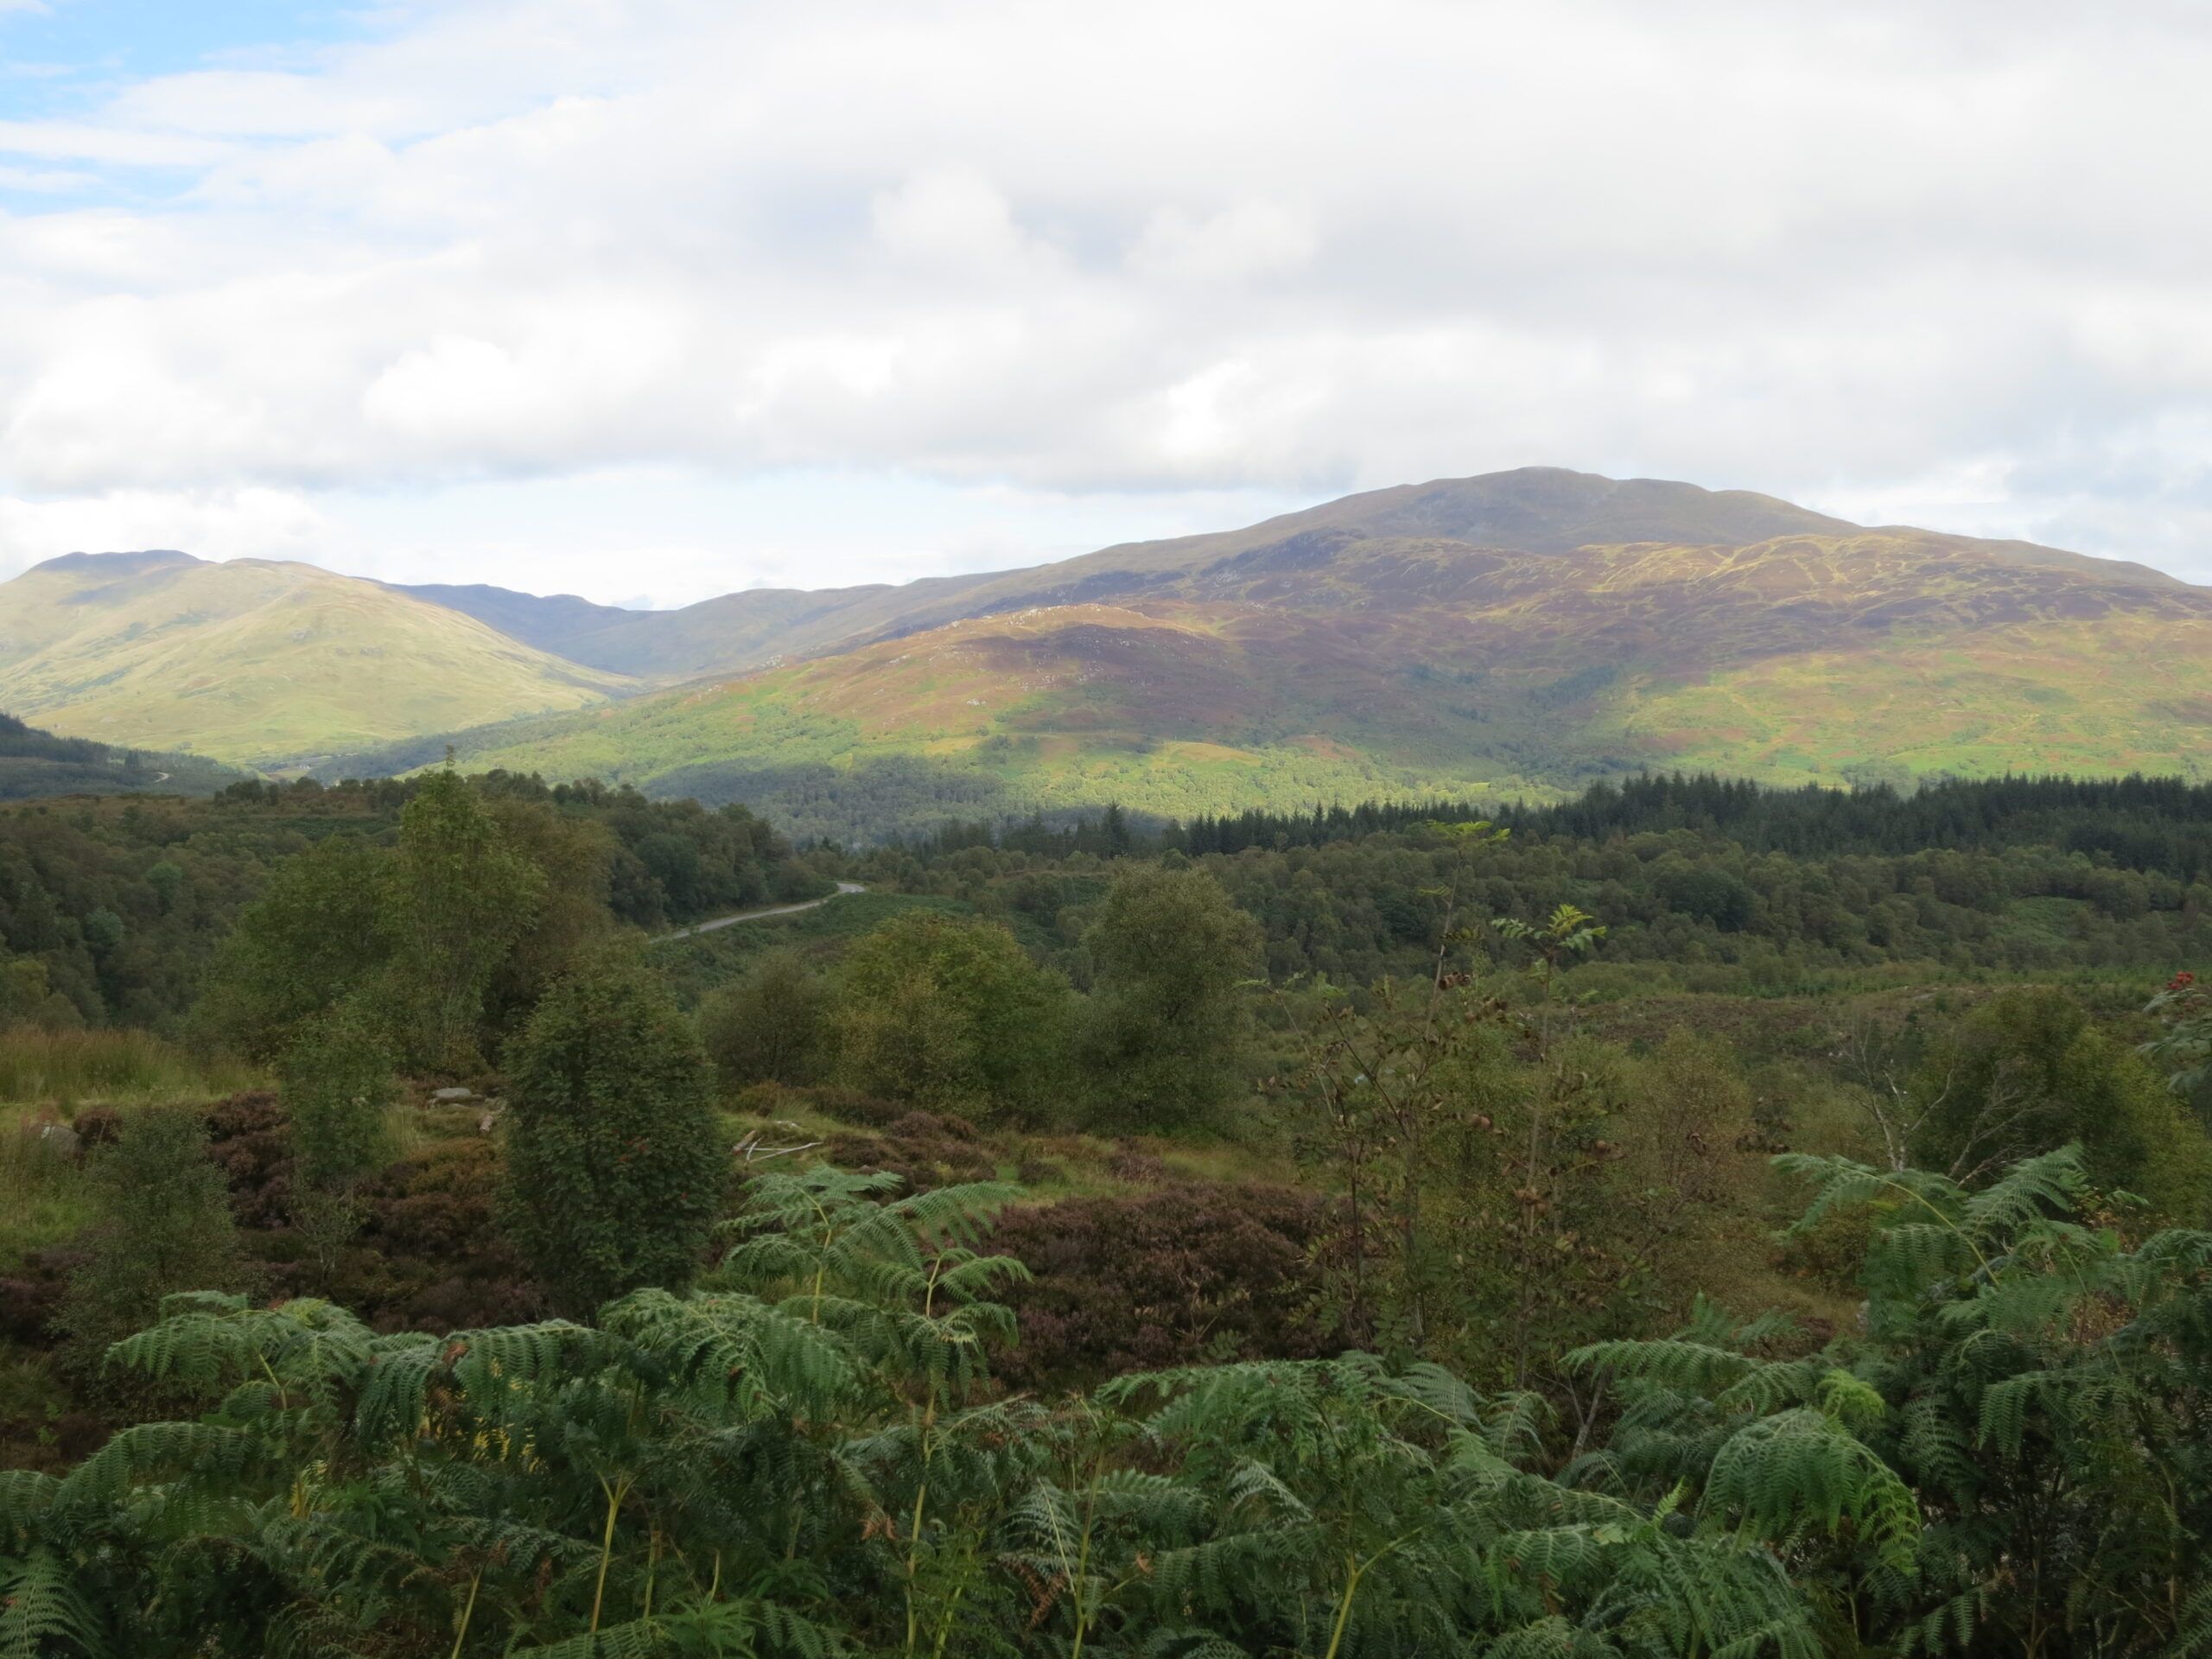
(112, 911)
(1688, 907)
(2161, 824)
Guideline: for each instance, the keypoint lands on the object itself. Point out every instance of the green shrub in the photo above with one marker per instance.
(1164, 1030)
(952, 1015)
(615, 1161)
(164, 1225)
(765, 1025)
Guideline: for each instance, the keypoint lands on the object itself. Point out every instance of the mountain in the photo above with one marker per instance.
(1533, 509)
(257, 661)
(1515, 633)
(1519, 633)
(552, 622)
(1536, 509)
(723, 635)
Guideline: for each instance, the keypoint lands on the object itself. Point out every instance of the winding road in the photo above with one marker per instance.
(843, 887)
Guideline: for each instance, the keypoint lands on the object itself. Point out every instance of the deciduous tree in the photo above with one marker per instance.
(615, 1157)
(765, 1025)
(1165, 1029)
(459, 897)
(950, 1013)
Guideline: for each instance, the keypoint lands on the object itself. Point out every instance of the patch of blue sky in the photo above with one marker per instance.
(62, 61)
(57, 56)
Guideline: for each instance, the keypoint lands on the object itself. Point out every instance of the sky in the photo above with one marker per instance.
(654, 300)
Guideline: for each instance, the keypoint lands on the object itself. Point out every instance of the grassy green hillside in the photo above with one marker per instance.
(255, 662)
(2110, 696)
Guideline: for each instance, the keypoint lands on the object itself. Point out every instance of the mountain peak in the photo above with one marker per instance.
(1553, 510)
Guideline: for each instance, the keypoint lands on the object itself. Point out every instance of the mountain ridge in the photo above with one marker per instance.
(1383, 643)
(1317, 657)
(732, 632)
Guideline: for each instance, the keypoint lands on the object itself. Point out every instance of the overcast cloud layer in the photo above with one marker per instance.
(659, 299)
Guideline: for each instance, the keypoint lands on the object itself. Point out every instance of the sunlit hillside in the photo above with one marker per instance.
(257, 662)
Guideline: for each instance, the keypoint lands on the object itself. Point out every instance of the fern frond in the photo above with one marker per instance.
(1851, 1400)
(25, 1493)
(1691, 1367)
(149, 1452)
(1844, 1183)
(1552, 1559)
(735, 1349)
(1784, 1475)
(41, 1610)
(2051, 1183)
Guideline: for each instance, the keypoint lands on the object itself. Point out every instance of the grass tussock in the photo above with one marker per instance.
(66, 1069)
(44, 1197)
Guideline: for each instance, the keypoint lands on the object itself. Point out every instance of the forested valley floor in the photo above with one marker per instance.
(1688, 1220)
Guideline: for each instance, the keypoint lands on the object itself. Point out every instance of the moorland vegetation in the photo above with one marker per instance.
(1690, 1219)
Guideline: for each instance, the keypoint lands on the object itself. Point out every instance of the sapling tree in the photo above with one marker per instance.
(459, 897)
(337, 1082)
(164, 1225)
(615, 1161)
(1163, 1030)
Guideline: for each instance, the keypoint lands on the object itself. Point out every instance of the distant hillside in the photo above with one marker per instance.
(552, 622)
(1393, 644)
(256, 662)
(759, 627)
(35, 764)
(1520, 633)
(1533, 509)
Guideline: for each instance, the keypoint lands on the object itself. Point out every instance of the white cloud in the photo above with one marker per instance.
(1252, 238)
(249, 523)
(1882, 253)
(124, 146)
(954, 220)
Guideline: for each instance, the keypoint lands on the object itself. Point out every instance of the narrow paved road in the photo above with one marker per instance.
(843, 887)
